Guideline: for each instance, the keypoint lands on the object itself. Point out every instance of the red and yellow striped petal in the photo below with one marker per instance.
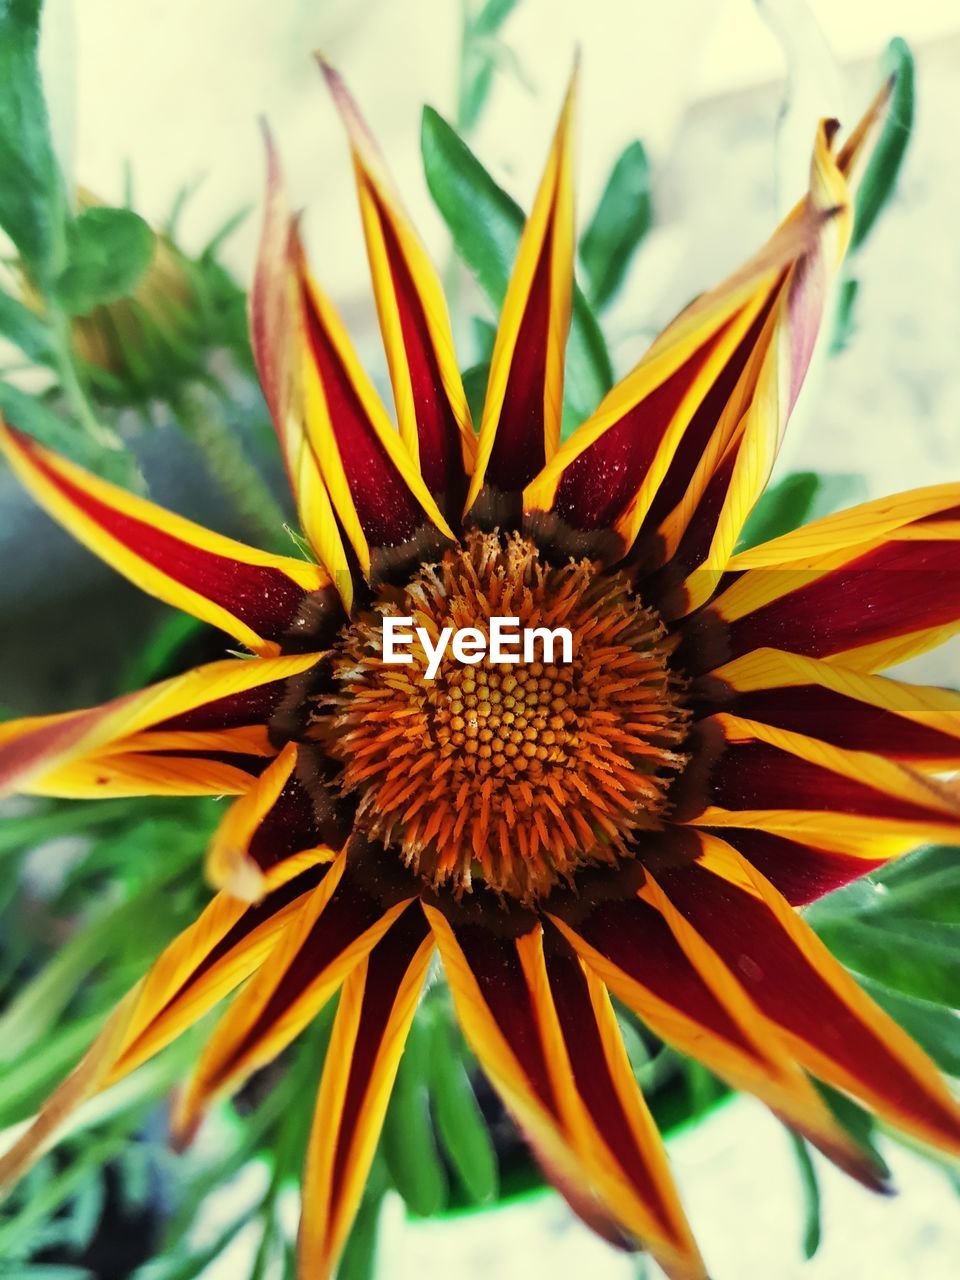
(289, 810)
(228, 942)
(277, 338)
(828, 1024)
(380, 499)
(682, 447)
(649, 958)
(547, 1036)
(376, 1008)
(432, 408)
(917, 725)
(333, 932)
(202, 733)
(867, 588)
(520, 427)
(267, 602)
(852, 803)
(800, 871)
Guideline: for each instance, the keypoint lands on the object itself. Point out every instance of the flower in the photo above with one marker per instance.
(643, 822)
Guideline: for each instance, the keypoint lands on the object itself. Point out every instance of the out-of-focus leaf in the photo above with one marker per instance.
(31, 203)
(798, 498)
(858, 1123)
(408, 1143)
(622, 218)
(486, 224)
(460, 1125)
(844, 319)
(108, 250)
(880, 176)
(25, 329)
(30, 415)
(811, 1195)
(481, 23)
(475, 385)
(359, 1258)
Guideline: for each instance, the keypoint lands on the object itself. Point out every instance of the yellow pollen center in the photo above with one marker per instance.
(517, 774)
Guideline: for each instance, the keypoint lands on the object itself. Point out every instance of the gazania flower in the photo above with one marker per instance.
(641, 821)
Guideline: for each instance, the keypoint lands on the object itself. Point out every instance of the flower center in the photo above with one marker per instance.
(510, 774)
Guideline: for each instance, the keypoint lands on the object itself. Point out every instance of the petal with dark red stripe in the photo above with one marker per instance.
(801, 872)
(289, 810)
(267, 602)
(746, 774)
(917, 725)
(637, 946)
(520, 427)
(658, 458)
(228, 942)
(381, 502)
(336, 928)
(432, 408)
(277, 338)
(827, 1022)
(866, 588)
(547, 1036)
(202, 733)
(376, 1008)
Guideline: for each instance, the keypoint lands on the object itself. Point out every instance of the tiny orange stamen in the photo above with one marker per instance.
(513, 775)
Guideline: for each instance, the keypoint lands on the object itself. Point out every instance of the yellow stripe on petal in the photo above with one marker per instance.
(220, 950)
(828, 1023)
(520, 427)
(380, 499)
(264, 601)
(374, 1016)
(277, 338)
(334, 930)
(432, 408)
(216, 710)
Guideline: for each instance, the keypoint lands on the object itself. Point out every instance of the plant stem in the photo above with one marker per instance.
(71, 384)
(230, 467)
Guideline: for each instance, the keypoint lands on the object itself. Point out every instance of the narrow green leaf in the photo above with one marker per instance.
(811, 1195)
(844, 318)
(492, 16)
(33, 417)
(25, 329)
(108, 250)
(475, 386)
(486, 224)
(408, 1143)
(857, 1123)
(799, 498)
(622, 218)
(460, 1124)
(880, 177)
(31, 201)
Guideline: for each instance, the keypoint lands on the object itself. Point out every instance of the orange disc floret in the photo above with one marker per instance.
(513, 774)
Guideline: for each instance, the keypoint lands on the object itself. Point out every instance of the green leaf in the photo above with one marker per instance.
(30, 415)
(31, 202)
(25, 329)
(108, 250)
(917, 958)
(935, 1029)
(460, 1124)
(799, 498)
(475, 387)
(858, 1123)
(408, 1143)
(880, 177)
(811, 1195)
(492, 16)
(486, 224)
(844, 315)
(622, 218)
